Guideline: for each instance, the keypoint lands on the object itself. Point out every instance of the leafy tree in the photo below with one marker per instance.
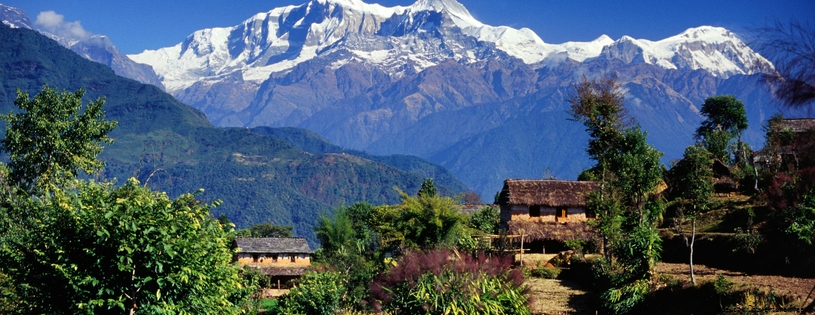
(351, 247)
(487, 220)
(694, 178)
(628, 170)
(637, 169)
(317, 293)
(724, 112)
(598, 105)
(428, 189)
(98, 249)
(428, 221)
(53, 137)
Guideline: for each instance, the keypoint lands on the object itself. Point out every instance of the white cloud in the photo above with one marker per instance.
(55, 23)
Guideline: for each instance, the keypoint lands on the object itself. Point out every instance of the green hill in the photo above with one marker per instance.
(286, 176)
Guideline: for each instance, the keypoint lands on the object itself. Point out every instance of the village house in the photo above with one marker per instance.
(545, 212)
(281, 258)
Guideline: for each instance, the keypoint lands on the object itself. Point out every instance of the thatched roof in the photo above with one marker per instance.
(798, 124)
(471, 208)
(553, 193)
(272, 245)
(550, 230)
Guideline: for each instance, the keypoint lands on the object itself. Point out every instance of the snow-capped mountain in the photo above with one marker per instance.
(14, 17)
(96, 48)
(405, 39)
(713, 49)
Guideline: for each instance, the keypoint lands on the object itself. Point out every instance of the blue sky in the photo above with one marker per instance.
(134, 26)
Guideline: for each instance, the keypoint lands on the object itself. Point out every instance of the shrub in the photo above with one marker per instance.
(441, 282)
(317, 293)
(543, 272)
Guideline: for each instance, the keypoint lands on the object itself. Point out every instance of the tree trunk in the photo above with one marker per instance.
(692, 239)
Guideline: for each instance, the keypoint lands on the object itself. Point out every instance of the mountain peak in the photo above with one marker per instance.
(461, 16)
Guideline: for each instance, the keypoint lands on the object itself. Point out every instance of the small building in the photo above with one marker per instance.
(281, 258)
(545, 209)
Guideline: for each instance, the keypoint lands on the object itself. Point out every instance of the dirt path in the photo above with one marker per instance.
(552, 297)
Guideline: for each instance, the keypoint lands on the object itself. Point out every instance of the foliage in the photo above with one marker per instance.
(636, 168)
(97, 249)
(801, 219)
(486, 220)
(717, 143)
(598, 105)
(725, 113)
(625, 206)
(544, 272)
(316, 293)
(54, 137)
(693, 177)
(428, 189)
(440, 282)
(427, 221)
(266, 230)
(351, 246)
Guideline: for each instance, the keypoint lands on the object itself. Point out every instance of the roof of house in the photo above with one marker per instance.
(553, 193)
(272, 245)
(798, 124)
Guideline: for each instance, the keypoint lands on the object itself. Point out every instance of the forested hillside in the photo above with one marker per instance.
(259, 174)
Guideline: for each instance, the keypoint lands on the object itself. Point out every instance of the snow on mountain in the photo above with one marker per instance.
(713, 49)
(14, 17)
(403, 39)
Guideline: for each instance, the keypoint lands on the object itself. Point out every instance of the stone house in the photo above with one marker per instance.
(544, 210)
(281, 258)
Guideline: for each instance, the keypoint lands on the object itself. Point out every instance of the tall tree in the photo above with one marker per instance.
(54, 137)
(629, 171)
(428, 189)
(727, 113)
(599, 105)
(694, 178)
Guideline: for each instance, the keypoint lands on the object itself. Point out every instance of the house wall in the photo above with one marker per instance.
(547, 214)
(268, 260)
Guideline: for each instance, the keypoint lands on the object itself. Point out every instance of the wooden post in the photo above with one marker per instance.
(522, 248)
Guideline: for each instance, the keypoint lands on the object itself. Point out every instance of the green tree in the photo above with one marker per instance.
(486, 220)
(629, 171)
(599, 105)
(428, 188)
(96, 249)
(724, 112)
(53, 137)
(694, 178)
(428, 221)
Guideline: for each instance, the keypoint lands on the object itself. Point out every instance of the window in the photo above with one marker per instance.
(274, 258)
(292, 257)
(562, 213)
(255, 257)
(535, 211)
